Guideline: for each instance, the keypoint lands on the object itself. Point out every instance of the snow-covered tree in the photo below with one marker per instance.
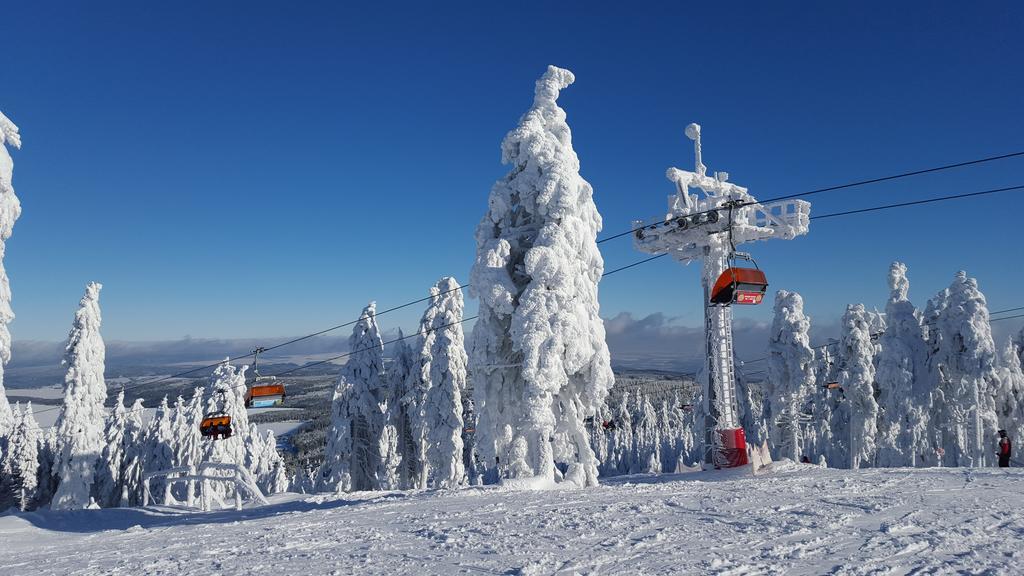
(443, 374)
(857, 376)
(352, 458)
(402, 409)
(159, 444)
(622, 435)
(10, 210)
(648, 449)
(963, 366)
(901, 377)
(1010, 396)
(540, 364)
(470, 455)
(267, 466)
(821, 404)
(81, 421)
(136, 452)
(751, 405)
(790, 373)
(110, 466)
(190, 441)
(20, 464)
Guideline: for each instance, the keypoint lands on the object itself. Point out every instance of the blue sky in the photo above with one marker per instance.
(249, 169)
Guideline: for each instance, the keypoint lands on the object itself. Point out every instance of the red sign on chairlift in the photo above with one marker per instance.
(749, 297)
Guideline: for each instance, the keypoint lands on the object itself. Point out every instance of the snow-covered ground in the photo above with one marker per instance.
(798, 520)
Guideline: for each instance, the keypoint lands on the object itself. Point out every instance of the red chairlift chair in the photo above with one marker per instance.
(739, 285)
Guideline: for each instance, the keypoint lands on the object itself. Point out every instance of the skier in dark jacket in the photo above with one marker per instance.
(1005, 449)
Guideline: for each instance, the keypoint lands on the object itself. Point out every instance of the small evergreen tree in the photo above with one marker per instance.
(790, 373)
(352, 457)
(81, 421)
(963, 366)
(20, 464)
(901, 365)
(110, 466)
(443, 368)
(856, 378)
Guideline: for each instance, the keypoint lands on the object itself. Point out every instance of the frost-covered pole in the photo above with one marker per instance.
(707, 230)
(10, 209)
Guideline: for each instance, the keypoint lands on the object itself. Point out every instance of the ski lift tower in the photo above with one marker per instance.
(708, 229)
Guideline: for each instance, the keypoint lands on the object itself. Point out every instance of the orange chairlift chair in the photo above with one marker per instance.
(739, 285)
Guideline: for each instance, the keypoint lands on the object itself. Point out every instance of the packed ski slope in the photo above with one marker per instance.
(796, 520)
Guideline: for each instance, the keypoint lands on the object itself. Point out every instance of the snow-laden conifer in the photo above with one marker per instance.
(857, 376)
(403, 409)
(901, 377)
(1010, 396)
(751, 405)
(963, 366)
(80, 423)
(20, 464)
(159, 443)
(109, 468)
(540, 363)
(622, 423)
(648, 448)
(790, 373)
(352, 457)
(443, 367)
(10, 210)
(136, 450)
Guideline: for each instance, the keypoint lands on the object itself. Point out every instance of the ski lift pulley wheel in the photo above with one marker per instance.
(740, 285)
(216, 425)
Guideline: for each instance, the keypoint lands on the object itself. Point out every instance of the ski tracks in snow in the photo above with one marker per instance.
(801, 520)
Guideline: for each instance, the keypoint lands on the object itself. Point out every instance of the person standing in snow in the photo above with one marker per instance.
(1005, 449)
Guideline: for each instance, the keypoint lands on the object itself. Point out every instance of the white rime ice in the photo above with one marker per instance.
(443, 379)
(901, 378)
(539, 361)
(857, 376)
(963, 368)
(790, 373)
(81, 421)
(10, 209)
(352, 458)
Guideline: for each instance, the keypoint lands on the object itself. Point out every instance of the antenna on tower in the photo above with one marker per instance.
(693, 133)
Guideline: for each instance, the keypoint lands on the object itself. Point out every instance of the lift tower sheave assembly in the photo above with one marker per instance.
(708, 229)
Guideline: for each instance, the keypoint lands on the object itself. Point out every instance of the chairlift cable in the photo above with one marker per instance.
(620, 269)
